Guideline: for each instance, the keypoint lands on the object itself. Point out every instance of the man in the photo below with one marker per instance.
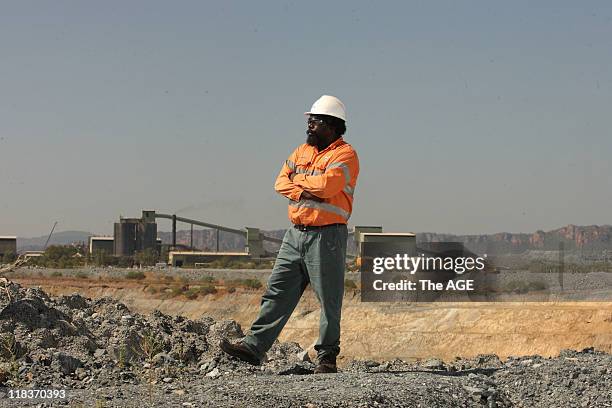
(319, 179)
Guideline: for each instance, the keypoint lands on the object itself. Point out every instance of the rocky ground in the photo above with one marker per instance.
(104, 355)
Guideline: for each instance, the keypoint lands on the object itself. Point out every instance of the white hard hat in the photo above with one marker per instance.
(328, 105)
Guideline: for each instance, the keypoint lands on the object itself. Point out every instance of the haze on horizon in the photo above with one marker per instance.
(467, 119)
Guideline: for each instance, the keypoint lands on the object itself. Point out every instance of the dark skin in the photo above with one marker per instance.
(319, 132)
(320, 135)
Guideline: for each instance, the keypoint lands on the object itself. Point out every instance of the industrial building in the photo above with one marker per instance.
(33, 254)
(359, 233)
(135, 234)
(102, 244)
(8, 245)
(190, 258)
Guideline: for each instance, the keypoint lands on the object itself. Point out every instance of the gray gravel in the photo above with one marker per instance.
(107, 356)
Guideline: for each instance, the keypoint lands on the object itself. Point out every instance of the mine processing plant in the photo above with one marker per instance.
(138, 234)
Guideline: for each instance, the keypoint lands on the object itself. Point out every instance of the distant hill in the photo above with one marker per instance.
(573, 237)
(58, 238)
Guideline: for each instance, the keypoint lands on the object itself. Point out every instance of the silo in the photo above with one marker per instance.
(147, 236)
(125, 238)
(117, 239)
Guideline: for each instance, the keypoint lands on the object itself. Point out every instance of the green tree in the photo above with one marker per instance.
(101, 258)
(61, 256)
(9, 257)
(148, 257)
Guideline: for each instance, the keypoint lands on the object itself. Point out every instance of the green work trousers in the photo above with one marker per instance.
(313, 256)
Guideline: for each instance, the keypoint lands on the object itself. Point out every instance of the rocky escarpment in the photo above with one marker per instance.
(592, 237)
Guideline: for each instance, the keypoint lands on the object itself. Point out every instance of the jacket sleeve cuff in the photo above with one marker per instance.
(296, 194)
(299, 178)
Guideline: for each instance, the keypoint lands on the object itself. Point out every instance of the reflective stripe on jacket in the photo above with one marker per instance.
(330, 174)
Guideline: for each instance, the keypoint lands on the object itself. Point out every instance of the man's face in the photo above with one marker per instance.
(318, 131)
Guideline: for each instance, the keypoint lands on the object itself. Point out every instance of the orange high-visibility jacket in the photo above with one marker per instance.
(330, 174)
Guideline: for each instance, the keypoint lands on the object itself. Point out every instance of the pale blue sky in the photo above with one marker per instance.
(468, 117)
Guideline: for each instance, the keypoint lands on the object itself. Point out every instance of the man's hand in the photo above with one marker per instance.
(307, 196)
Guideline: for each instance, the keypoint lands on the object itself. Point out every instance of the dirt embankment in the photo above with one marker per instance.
(383, 331)
(99, 352)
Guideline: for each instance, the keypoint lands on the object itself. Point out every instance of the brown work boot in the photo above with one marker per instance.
(240, 351)
(326, 365)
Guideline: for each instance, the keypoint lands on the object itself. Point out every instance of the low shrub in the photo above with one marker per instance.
(207, 290)
(247, 283)
(349, 284)
(252, 283)
(537, 285)
(192, 293)
(135, 275)
(177, 290)
(524, 287)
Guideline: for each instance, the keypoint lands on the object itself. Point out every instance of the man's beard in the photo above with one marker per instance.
(312, 139)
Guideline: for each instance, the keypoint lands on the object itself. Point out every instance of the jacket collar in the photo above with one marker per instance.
(335, 144)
